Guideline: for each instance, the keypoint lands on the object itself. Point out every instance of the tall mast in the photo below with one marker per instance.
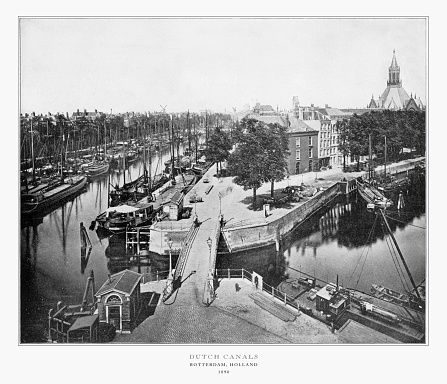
(32, 151)
(172, 147)
(385, 160)
(189, 131)
(62, 151)
(105, 140)
(400, 254)
(370, 158)
(144, 155)
(150, 160)
(195, 134)
(178, 142)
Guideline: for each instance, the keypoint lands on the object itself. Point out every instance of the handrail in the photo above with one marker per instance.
(184, 252)
(272, 291)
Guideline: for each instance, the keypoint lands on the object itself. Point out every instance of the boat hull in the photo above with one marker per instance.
(66, 190)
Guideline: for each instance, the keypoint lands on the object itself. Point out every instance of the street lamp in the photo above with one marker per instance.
(170, 255)
(210, 243)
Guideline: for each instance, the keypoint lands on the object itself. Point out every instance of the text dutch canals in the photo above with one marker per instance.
(226, 360)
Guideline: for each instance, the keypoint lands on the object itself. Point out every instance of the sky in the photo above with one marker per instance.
(218, 64)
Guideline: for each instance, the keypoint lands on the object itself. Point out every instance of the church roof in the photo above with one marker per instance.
(396, 94)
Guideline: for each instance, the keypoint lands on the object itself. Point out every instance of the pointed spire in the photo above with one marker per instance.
(394, 61)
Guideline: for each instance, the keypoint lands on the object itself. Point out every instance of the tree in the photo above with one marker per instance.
(219, 146)
(259, 156)
(276, 150)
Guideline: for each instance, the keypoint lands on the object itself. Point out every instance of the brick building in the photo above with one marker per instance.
(119, 300)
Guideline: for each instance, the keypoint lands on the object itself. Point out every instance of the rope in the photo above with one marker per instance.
(361, 255)
(403, 222)
(399, 270)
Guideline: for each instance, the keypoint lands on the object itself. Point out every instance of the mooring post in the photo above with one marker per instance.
(82, 236)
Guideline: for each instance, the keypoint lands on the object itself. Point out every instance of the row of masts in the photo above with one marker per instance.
(75, 135)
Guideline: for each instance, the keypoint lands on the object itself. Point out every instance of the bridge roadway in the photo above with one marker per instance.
(200, 258)
(185, 316)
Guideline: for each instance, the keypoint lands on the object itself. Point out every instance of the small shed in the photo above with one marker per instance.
(176, 206)
(119, 300)
(84, 329)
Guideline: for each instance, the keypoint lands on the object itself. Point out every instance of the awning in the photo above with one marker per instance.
(122, 209)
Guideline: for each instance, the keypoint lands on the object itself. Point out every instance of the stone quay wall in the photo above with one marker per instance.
(265, 233)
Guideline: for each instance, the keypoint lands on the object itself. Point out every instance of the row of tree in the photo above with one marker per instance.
(261, 150)
(259, 154)
(402, 129)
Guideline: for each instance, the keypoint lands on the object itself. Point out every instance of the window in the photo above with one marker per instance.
(310, 140)
(297, 167)
(113, 299)
(298, 154)
(298, 141)
(310, 153)
(310, 165)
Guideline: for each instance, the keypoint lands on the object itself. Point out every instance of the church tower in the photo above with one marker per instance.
(394, 96)
(394, 72)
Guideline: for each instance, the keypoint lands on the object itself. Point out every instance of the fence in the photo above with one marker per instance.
(154, 276)
(271, 291)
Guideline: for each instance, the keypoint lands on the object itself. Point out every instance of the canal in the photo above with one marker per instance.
(337, 240)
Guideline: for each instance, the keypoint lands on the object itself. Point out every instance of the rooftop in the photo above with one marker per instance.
(124, 282)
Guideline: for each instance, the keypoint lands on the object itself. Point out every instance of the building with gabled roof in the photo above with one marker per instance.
(118, 300)
(395, 97)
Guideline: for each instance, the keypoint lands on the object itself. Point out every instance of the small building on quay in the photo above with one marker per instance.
(332, 301)
(118, 300)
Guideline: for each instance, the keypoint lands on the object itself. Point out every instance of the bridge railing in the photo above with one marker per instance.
(154, 276)
(185, 248)
(271, 291)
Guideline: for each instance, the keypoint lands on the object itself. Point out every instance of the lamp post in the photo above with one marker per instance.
(170, 255)
(210, 243)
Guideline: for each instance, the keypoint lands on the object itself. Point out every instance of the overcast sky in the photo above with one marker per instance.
(140, 64)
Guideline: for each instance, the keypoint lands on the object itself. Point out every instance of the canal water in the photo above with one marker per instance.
(337, 240)
(344, 240)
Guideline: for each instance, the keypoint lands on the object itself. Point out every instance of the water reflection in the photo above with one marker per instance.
(345, 239)
(54, 266)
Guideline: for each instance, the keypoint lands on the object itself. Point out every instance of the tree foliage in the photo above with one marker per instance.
(219, 146)
(259, 156)
(402, 129)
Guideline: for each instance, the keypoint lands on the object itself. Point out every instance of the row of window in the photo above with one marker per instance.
(298, 141)
(298, 154)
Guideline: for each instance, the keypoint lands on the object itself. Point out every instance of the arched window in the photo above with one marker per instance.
(114, 299)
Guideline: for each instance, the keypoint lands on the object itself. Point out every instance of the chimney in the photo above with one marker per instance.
(96, 111)
(85, 112)
(77, 111)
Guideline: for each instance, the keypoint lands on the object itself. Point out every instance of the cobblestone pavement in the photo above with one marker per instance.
(193, 324)
(233, 318)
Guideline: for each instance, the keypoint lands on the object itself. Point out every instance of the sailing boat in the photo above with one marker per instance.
(140, 188)
(369, 193)
(98, 167)
(48, 195)
(414, 298)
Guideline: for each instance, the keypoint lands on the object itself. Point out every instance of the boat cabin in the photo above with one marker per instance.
(332, 300)
(176, 206)
(119, 301)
